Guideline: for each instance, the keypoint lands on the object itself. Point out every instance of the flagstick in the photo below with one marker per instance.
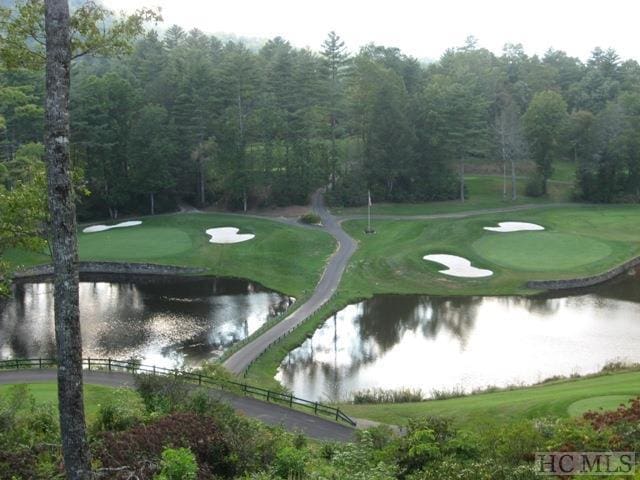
(369, 217)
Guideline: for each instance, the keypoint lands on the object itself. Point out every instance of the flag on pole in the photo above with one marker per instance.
(369, 192)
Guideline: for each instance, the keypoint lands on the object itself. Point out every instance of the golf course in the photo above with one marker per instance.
(577, 241)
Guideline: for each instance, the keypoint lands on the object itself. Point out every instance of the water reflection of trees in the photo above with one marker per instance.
(376, 327)
(125, 319)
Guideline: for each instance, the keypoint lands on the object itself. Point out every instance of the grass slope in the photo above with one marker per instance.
(282, 257)
(483, 191)
(558, 399)
(94, 395)
(579, 241)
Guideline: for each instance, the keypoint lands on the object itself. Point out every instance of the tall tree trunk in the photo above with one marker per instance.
(504, 180)
(462, 180)
(64, 243)
(202, 186)
(514, 193)
(504, 163)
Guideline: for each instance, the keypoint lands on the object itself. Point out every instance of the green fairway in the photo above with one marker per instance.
(605, 402)
(483, 191)
(94, 395)
(580, 241)
(286, 258)
(540, 251)
(558, 399)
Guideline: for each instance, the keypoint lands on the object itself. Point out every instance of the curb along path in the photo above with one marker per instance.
(240, 360)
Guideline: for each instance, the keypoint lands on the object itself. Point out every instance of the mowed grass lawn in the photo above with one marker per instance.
(483, 191)
(577, 242)
(286, 258)
(94, 395)
(558, 399)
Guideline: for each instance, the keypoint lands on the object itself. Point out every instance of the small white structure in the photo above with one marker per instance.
(102, 228)
(228, 235)
(457, 266)
(504, 227)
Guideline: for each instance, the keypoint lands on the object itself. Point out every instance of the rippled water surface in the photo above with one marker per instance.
(162, 321)
(436, 343)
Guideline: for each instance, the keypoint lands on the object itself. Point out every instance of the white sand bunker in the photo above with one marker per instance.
(504, 227)
(228, 235)
(458, 266)
(102, 228)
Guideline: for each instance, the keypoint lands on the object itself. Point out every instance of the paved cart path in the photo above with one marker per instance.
(240, 360)
(313, 426)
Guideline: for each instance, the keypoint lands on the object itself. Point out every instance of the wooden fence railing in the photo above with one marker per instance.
(131, 366)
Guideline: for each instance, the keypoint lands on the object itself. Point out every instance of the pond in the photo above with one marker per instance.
(163, 321)
(466, 343)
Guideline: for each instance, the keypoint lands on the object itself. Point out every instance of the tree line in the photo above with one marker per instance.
(188, 117)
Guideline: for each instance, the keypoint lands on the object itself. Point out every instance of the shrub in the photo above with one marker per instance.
(455, 392)
(310, 218)
(535, 186)
(161, 395)
(290, 462)
(380, 395)
(143, 445)
(178, 464)
(119, 412)
(518, 442)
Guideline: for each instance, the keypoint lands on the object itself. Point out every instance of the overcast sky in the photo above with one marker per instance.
(421, 28)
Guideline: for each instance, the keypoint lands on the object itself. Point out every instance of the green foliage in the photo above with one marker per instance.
(290, 463)
(379, 395)
(310, 218)
(178, 464)
(119, 412)
(94, 30)
(535, 186)
(24, 422)
(545, 122)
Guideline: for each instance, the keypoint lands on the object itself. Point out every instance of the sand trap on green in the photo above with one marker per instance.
(541, 251)
(103, 228)
(457, 266)
(228, 235)
(507, 227)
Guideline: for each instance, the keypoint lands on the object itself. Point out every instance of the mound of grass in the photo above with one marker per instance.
(557, 399)
(285, 258)
(605, 402)
(94, 395)
(483, 191)
(131, 243)
(540, 251)
(581, 241)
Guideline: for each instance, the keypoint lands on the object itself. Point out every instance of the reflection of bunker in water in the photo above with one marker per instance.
(458, 266)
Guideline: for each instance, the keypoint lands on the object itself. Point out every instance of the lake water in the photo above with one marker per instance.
(159, 320)
(436, 343)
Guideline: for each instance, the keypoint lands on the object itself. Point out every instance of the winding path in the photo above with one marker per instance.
(292, 420)
(240, 360)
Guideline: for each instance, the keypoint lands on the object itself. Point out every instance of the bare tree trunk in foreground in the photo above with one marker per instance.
(63, 242)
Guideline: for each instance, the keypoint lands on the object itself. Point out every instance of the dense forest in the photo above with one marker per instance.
(187, 117)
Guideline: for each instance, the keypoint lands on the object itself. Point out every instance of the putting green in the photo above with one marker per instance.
(540, 251)
(605, 402)
(131, 244)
